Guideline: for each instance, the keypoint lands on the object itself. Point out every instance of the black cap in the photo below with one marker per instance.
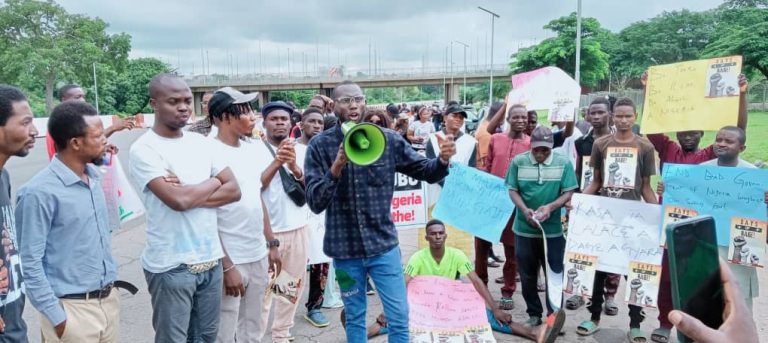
(276, 105)
(224, 97)
(455, 109)
(542, 137)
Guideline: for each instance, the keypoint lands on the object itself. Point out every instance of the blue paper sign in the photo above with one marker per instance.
(722, 192)
(475, 202)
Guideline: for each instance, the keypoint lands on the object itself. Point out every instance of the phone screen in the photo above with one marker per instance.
(695, 270)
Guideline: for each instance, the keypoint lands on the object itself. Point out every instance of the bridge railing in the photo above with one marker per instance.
(325, 75)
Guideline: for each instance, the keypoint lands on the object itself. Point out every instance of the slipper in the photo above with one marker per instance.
(574, 302)
(610, 308)
(636, 335)
(661, 335)
(587, 328)
(555, 322)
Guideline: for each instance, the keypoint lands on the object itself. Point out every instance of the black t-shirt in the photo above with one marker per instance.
(12, 303)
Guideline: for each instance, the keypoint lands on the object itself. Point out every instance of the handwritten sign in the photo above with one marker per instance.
(693, 95)
(441, 307)
(722, 192)
(475, 202)
(409, 202)
(548, 88)
(617, 231)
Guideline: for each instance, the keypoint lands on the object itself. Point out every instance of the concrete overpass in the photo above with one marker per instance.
(264, 84)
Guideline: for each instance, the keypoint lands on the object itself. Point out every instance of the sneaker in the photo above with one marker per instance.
(369, 288)
(493, 264)
(339, 304)
(499, 280)
(506, 304)
(316, 318)
(533, 321)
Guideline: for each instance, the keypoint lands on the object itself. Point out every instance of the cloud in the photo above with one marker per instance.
(403, 33)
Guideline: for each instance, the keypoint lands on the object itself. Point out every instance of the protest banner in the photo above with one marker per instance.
(617, 231)
(579, 273)
(748, 248)
(475, 202)
(443, 310)
(409, 202)
(643, 283)
(548, 88)
(722, 192)
(692, 95)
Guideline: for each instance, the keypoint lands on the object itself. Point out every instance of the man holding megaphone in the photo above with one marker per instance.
(360, 235)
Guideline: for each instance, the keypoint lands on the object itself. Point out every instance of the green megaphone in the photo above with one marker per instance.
(364, 143)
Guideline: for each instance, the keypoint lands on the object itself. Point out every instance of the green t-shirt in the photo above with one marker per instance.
(453, 264)
(540, 184)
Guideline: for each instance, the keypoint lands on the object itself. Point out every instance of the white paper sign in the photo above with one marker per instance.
(616, 231)
(548, 88)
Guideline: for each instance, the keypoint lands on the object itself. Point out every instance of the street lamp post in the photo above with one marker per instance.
(493, 19)
(465, 70)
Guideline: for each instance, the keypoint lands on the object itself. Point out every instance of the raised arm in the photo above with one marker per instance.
(743, 86)
(497, 120)
(410, 163)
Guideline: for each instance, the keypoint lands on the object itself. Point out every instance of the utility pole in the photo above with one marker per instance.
(465, 70)
(493, 21)
(577, 74)
(96, 88)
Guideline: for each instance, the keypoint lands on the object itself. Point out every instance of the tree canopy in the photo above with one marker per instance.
(737, 27)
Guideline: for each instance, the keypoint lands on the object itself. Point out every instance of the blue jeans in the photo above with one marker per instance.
(387, 275)
(185, 306)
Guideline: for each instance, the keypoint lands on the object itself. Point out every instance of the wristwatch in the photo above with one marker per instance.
(273, 243)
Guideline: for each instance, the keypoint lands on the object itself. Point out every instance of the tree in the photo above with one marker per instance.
(41, 43)
(736, 4)
(742, 31)
(130, 91)
(560, 51)
(667, 38)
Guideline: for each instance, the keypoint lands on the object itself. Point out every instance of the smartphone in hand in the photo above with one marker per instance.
(695, 270)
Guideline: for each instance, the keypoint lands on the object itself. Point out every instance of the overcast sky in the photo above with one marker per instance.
(402, 33)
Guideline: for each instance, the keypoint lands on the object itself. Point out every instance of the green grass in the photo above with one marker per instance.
(757, 136)
(757, 139)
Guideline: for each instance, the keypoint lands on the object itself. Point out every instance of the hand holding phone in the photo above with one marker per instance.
(695, 270)
(738, 325)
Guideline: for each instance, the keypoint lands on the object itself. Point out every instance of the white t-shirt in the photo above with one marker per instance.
(241, 225)
(284, 215)
(422, 130)
(174, 237)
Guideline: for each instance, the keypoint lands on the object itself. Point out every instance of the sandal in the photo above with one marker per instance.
(555, 322)
(574, 302)
(661, 335)
(610, 308)
(587, 328)
(636, 335)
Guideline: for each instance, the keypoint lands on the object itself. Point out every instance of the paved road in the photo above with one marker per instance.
(136, 325)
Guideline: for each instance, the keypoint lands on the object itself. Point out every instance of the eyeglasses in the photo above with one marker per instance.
(348, 100)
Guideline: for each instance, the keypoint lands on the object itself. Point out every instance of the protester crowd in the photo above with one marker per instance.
(229, 200)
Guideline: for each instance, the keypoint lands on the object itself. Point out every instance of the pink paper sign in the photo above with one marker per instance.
(438, 303)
